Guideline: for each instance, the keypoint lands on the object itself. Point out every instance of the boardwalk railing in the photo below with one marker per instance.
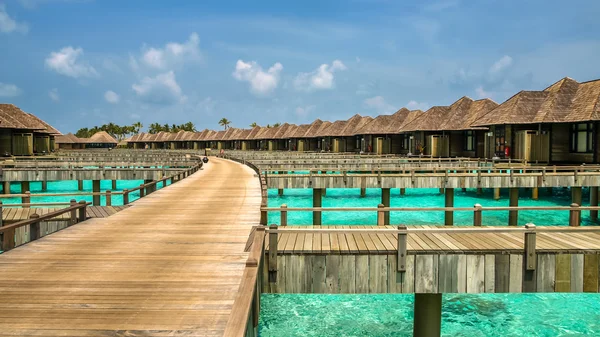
(35, 232)
(383, 213)
(243, 320)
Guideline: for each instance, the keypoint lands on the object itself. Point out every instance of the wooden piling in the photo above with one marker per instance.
(73, 213)
(428, 315)
(6, 186)
(534, 193)
(449, 202)
(363, 192)
(96, 189)
(576, 197)
(280, 192)
(385, 200)
(80, 185)
(402, 191)
(593, 202)
(35, 230)
(25, 186)
(44, 186)
(114, 185)
(284, 215)
(479, 191)
(82, 211)
(441, 190)
(496, 193)
(574, 216)
(317, 202)
(380, 215)
(513, 216)
(108, 198)
(477, 216)
(26, 199)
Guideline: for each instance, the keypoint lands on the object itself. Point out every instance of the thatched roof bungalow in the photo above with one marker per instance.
(24, 134)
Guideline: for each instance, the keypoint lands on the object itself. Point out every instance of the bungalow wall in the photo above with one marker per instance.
(560, 136)
(22, 144)
(459, 143)
(5, 141)
(41, 143)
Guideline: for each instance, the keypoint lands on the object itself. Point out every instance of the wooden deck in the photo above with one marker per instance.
(548, 240)
(170, 265)
(10, 215)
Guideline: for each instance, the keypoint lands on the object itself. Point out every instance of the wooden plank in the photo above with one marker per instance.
(546, 273)
(590, 273)
(461, 271)
(377, 274)
(426, 273)
(475, 274)
(563, 273)
(332, 276)
(318, 275)
(347, 274)
(408, 278)
(448, 273)
(515, 283)
(394, 284)
(490, 273)
(502, 273)
(577, 273)
(362, 274)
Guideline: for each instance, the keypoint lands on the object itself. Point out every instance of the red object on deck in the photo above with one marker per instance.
(507, 151)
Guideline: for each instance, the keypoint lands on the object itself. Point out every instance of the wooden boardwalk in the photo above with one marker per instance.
(10, 214)
(170, 265)
(548, 240)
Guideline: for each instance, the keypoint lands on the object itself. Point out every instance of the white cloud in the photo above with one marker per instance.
(261, 82)
(378, 104)
(53, 94)
(162, 89)
(173, 53)
(133, 63)
(320, 79)
(482, 93)
(67, 62)
(9, 90)
(8, 24)
(304, 111)
(414, 105)
(501, 64)
(111, 97)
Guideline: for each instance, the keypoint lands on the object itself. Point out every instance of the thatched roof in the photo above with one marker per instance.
(255, 131)
(244, 133)
(11, 117)
(299, 131)
(219, 135)
(102, 137)
(282, 130)
(564, 101)
(137, 138)
(314, 128)
(289, 133)
(69, 138)
(333, 129)
(354, 124)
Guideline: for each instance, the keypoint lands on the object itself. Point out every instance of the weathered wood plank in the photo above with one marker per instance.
(577, 273)
(563, 273)
(347, 274)
(546, 273)
(475, 274)
(362, 274)
(590, 273)
(426, 273)
(515, 282)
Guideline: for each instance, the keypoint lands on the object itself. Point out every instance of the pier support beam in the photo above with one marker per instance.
(449, 215)
(593, 202)
(385, 200)
(148, 188)
(114, 185)
(324, 192)
(280, 191)
(464, 189)
(479, 191)
(576, 198)
(428, 315)
(317, 202)
(96, 189)
(402, 191)
(25, 187)
(549, 190)
(496, 193)
(534, 193)
(44, 186)
(513, 216)
(363, 192)
(441, 190)
(80, 185)
(6, 186)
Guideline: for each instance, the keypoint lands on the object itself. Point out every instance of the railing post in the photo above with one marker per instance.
(477, 215)
(402, 236)
(284, 215)
(125, 197)
(529, 240)
(8, 240)
(380, 215)
(26, 199)
(142, 190)
(35, 230)
(575, 215)
(82, 211)
(108, 198)
(73, 213)
(273, 254)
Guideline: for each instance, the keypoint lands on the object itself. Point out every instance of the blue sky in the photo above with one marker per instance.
(80, 63)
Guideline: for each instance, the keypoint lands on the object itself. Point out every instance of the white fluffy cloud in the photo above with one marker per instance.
(378, 104)
(481, 93)
(162, 89)
(8, 24)
(53, 94)
(111, 97)
(501, 64)
(414, 105)
(320, 79)
(9, 90)
(261, 82)
(304, 111)
(68, 62)
(173, 53)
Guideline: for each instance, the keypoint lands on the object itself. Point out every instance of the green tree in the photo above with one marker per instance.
(253, 125)
(225, 123)
(136, 127)
(276, 125)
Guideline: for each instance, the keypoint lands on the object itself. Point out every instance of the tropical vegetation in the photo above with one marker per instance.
(156, 127)
(225, 123)
(119, 132)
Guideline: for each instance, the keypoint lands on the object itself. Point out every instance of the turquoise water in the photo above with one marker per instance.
(70, 186)
(387, 315)
(350, 197)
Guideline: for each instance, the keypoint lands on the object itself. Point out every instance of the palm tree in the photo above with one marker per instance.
(137, 127)
(225, 123)
(253, 125)
(276, 125)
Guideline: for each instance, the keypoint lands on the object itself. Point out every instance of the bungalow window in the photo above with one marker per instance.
(405, 142)
(357, 142)
(581, 138)
(469, 140)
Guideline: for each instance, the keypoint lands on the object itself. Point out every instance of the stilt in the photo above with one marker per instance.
(280, 192)
(114, 185)
(576, 198)
(593, 202)
(25, 187)
(80, 185)
(385, 200)
(44, 186)
(496, 193)
(317, 202)
(479, 191)
(363, 192)
(428, 315)
(7, 187)
(513, 216)
(549, 190)
(324, 192)
(149, 187)
(441, 190)
(534, 193)
(402, 191)
(449, 215)
(96, 189)
(464, 189)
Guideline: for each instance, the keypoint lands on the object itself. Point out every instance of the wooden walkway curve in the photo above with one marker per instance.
(170, 265)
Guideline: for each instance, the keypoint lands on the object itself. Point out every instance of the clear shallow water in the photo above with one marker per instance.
(70, 186)
(386, 315)
(350, 197)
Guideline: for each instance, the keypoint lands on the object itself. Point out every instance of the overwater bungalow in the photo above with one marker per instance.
(558, 124)
(100, 140)
(23, 134)
(248, 139)
(346, 139)
(280, 141)
(69, 142)
(303, 138)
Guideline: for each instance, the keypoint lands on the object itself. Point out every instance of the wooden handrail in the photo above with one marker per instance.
(466, 230)
(44, 217)
(426, 209)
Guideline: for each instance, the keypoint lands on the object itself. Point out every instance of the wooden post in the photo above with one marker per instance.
(574, 216)
(385, 200)
(534, 193)
(593, 202)
(142, 190)
(73, 213)
(449, 215)
(464, 189)
(479, 191)
(125, 197)
(44, 186)
(273, 254)
(80, 185)
(284, 215)
(148, 184)
(402, 191)
(496, 193)
(1, 223)
(114, 185)
(108, 198)
(26, 199)
(576, 195)
(441, 190)
(380, 216)
(513, 216)
(529, 240)
(317, 202)
(35, 230)
(8, 240)
(7, 187)
(280, 192)
(363, 192)
(401, 257)
(428, 315)
(477, 216)
(25, 187)
(82, 211)
(96, 189)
